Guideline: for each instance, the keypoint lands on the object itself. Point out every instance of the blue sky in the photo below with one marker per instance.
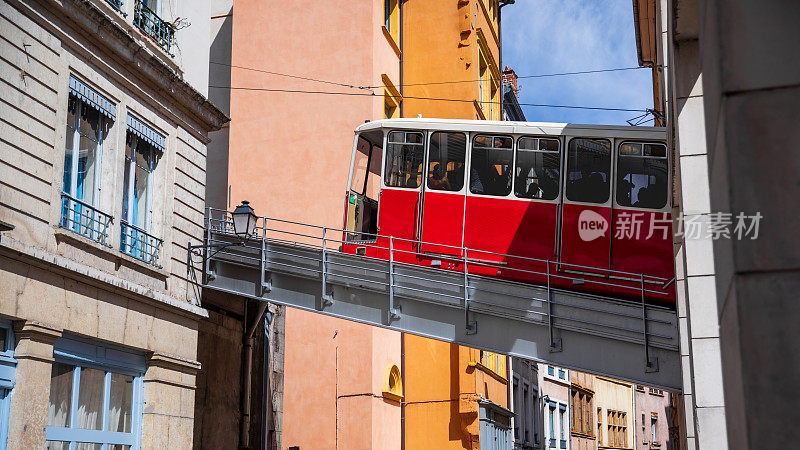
(550, 36)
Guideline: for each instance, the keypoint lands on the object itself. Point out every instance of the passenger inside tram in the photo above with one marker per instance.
(438, 180)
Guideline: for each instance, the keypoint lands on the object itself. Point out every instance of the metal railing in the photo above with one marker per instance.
(140, 244)
(116, 4)
(84, 219)
(156, 28)
(314, 237)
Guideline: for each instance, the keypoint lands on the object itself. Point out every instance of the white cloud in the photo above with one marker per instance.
(548, 36)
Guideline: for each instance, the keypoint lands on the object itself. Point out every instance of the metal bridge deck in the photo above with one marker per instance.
(586, 332)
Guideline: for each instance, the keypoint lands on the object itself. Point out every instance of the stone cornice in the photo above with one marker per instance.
(172, 362)
(59, 264)
(149, 72)
(37, 331)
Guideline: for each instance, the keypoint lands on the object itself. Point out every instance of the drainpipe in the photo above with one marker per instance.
(247, 369)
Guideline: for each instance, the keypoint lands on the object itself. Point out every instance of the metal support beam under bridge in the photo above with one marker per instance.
(627, 340)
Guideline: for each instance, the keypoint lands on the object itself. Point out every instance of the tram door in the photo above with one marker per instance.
(361, 205)
(586, 213)
(401, 196)
(443, 195)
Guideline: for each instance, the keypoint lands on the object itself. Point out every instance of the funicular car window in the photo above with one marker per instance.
(588, 167)
(490, 171)
(360, 165)
(642, 175)
(404, 158)
(538, 168)
(446, 161)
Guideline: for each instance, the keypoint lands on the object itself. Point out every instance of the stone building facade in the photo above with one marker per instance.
(103, 135)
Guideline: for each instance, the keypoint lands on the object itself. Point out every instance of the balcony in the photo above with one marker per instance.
(84, 219)
(140, 244)
(116, 4)
(157, 29)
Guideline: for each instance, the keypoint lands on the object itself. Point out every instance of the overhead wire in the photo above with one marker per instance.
(291, 76)
(354, 86)
(360, 94)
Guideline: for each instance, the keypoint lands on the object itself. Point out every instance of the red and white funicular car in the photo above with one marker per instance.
(583, 207)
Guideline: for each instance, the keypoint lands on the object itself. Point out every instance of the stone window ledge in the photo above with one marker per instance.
(110, 253)
(40, 257)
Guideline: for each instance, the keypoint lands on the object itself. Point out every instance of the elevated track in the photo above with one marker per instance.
(301, 266)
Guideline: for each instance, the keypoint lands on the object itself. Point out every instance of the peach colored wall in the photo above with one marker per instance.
(290, 156)
(290, 152)
(333, 380)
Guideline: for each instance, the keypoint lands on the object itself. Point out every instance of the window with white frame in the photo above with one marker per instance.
(95, 397)
(517, 409)
(534, 420)
(551, 409)
(562, 415)
(143, 148)
(89, 115)
(8, 367)
(653, 428)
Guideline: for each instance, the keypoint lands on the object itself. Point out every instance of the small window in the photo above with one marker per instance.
(446, 161)
(588, 169)
(490, 173)
(404, 157)
(538, 168)
(642, 175)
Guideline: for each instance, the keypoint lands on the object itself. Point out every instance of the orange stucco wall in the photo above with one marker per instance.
(443, 386)
(290, 155)
(440, 43)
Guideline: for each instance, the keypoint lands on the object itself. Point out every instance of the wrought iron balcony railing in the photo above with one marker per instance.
(116, 4)
(157, 29)
(140, 244)
(84, 219)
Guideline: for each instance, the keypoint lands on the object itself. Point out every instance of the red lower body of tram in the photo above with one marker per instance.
(523, 241)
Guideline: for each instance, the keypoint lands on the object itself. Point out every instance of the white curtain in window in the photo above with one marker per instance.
(60, 395)
(90, 399)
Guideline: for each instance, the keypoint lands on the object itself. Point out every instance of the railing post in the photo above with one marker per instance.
(326, 299)
(555, 344)
(471, 326)
(394, 313)
(264, 287)
(206, 262)
(650, 366)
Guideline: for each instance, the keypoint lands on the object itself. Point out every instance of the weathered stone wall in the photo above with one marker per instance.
(54, 282)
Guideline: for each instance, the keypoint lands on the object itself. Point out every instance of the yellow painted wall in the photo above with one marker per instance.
(445, 41)
(443, 384)
(618, 396)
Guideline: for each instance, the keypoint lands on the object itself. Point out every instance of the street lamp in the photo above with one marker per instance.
(244, 227)
(244, 220)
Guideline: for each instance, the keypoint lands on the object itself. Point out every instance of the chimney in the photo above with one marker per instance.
(510, 78)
